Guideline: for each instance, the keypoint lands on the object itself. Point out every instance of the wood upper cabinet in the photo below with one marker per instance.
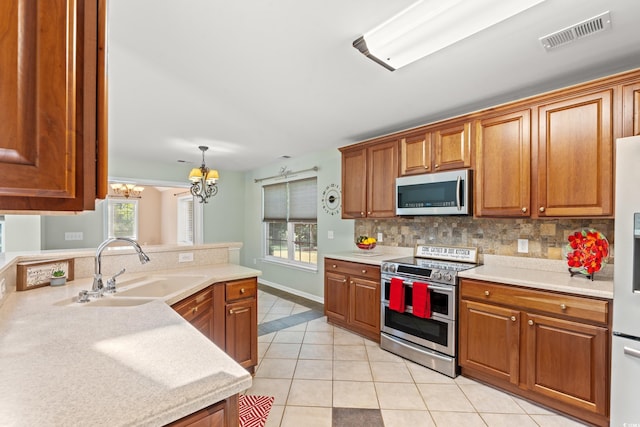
(415, 154)
(575, 156)
(436, 149)
(368, 180)
(549, 347)
(631, 109)
(352, 296)
(53, 146)
(503, 165)
(452, 145)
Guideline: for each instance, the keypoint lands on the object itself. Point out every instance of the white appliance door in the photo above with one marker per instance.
(626, 303)
(625, 373)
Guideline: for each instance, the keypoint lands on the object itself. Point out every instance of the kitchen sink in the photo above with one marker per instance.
(117, 302)
(156, 286)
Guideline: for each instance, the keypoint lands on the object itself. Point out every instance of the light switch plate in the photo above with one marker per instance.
(379, 237)
(523, 246)
(185, 257)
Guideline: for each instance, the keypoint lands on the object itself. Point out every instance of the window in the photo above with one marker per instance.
(122, 218)
(290, 221)
(185, 220)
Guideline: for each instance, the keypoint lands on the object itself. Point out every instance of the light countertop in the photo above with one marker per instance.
(551, 275)
(65, 363)
(374, 257)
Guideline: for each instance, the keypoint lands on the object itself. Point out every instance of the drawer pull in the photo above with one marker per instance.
(486, 293)
(344, 280)
(524, 210)
(333, 266)
(242, 290)
(231, 311)
(364, 271)
(563, 306)
(195, 310)
(541, 209)
(530, 322)
(513, 318)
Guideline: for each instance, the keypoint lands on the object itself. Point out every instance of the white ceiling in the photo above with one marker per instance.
(258, 79)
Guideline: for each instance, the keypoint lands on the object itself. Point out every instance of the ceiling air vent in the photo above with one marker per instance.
(577, 31)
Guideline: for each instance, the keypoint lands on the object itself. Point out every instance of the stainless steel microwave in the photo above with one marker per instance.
(441, 193)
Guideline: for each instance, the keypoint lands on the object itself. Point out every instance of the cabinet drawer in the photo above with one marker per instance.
(592, 310)
(241, 289)
(352, 268)
(192, 307)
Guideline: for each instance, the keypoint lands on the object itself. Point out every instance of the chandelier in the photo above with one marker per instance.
(203, 180)
(127, 190)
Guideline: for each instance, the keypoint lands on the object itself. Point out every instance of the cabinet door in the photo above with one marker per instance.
(575, 157)
(364, 306)
(354, 183)
(568, 362)
(336, 296)
(631, 110)
(489, 340)
(503, 180)
(453, 147)
(242, 332)
(415, 154)
(221, 414)
(49, 94)
(382, 171)
(197, 309)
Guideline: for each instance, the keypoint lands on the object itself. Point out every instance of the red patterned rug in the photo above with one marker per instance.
(254, 410)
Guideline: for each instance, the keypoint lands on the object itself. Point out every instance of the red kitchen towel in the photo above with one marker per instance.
(421, 300)
(396, 295)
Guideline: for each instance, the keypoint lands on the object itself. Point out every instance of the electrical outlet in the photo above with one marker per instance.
(379, 237)
(185, 257)
(73, 235)
(523, 246)
(330, 234)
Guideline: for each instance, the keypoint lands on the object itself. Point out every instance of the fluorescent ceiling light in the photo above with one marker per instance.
(427, 26)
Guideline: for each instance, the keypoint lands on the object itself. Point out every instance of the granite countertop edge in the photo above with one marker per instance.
(70, 363)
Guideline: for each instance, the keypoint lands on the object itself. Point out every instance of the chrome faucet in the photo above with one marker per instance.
(97, 277)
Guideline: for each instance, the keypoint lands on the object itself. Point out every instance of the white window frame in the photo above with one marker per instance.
(108, 217)
(184, 236)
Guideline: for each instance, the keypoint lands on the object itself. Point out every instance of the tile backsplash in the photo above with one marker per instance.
(495, 236)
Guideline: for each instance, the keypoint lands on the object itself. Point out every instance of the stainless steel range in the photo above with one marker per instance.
(431, 339)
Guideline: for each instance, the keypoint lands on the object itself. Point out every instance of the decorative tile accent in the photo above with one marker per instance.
(496, 236)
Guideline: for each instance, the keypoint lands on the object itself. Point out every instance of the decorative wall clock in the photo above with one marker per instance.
(331, 199)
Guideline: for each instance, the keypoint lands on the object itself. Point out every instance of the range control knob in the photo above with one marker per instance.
(436, 275)
(392, 268)
(448, 277)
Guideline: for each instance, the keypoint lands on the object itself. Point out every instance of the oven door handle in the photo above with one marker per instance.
(431, 287)
(431, 353)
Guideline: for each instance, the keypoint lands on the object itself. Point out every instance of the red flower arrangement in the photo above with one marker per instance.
(587, 251)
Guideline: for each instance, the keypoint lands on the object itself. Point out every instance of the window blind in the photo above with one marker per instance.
(291, 201)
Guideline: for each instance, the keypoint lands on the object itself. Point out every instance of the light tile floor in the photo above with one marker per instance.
(313, 367)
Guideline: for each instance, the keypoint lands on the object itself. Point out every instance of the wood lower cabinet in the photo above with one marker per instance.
(352, 296)
(548, 347)
(368, 180)
(242, 322)
(227, 313)
(53, 148)
(221, 414)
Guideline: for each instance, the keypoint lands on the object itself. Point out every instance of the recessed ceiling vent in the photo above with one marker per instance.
(577, 31)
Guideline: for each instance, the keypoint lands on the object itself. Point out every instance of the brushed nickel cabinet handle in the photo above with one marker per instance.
(530, 322)
(513, 318)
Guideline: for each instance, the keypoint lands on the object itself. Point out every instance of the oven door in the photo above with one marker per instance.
(434, 333)
(443, 298)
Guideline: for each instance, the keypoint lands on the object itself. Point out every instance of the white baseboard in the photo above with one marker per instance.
(291, 291)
